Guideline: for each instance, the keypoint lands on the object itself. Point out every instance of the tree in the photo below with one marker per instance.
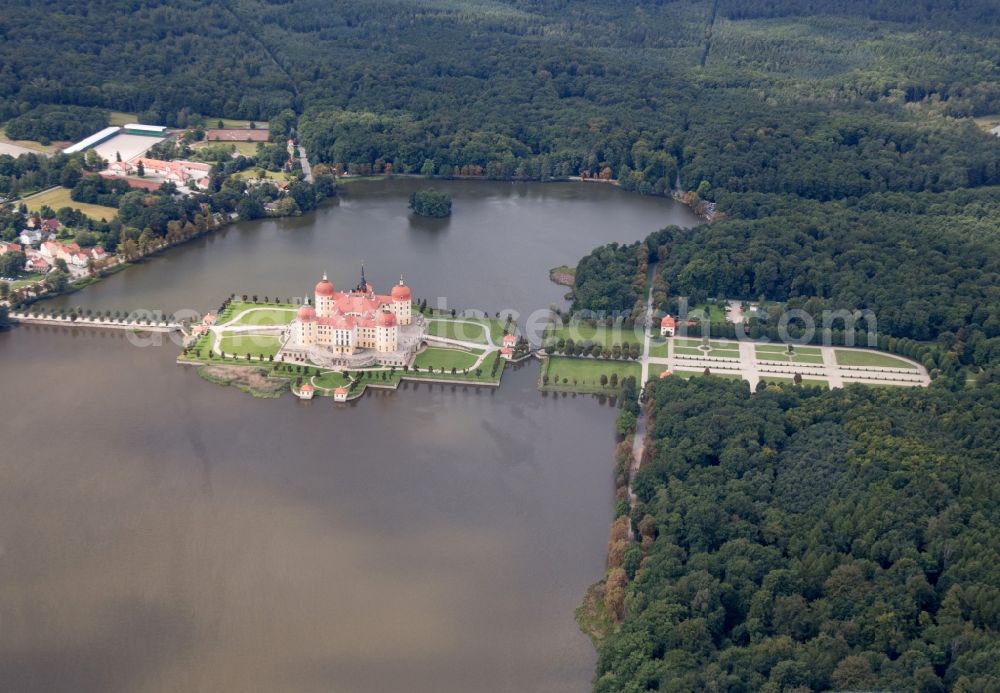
(430, 203)
(56, 281)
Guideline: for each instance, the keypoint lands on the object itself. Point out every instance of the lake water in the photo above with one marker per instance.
(159, 533)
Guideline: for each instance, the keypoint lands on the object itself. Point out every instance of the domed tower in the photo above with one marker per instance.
(402, 302)
(385, 331)
(324, 297)
(304, 327)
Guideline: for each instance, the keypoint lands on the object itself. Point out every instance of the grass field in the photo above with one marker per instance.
(33, 145)
(658, 347)
(870, 358)
(497, 328)
(26, 280)
(716, 313)
(438, 357)
(262, 314)
(584, 375)
(779, 352)
(120, 118)
(57, 198)
(253, 344)
(605, 336)
(471, 331)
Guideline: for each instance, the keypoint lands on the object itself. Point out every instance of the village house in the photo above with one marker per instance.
(37, 263)
(507, 350)
(668, 325)
(10, 248)
(30, 237)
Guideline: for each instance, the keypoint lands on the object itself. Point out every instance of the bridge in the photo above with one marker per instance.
(99, 322)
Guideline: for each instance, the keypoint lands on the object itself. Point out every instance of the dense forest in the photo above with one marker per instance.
(822, 100)
(801, 539)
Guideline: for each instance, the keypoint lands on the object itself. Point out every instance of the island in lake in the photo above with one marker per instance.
(344, 341)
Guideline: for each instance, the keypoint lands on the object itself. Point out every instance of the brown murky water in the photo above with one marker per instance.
(159, 533)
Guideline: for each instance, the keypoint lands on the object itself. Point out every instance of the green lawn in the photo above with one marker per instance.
(56, 198)
(584, 374)
(716, 313)
(249, 149)
(870, 358)
(779, 352)
(658, 347)
(26, 280)
(468, 331)
(253, 344)
(496, 327)
(120, 118)
(601, 334)
(261, 313)
(439, 357)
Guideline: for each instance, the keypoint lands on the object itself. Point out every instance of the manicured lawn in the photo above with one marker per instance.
(584, 374)
(658, 347)
(57, 198)
(870, 358)
(263, 313)
(468, 331)
(331, 380)
(601, 334)
(497, 328)
(777, 352)
(266, 316)
(249, 149)
(254, 344)
(438, 357)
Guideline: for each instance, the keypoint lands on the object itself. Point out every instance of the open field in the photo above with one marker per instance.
(253, 344)
(121, 118)
(18, 147)
(870, 358)
(658, 347)
(57, 198)
(605, 336)
(584, 374)
(26, 280)
(129, 146)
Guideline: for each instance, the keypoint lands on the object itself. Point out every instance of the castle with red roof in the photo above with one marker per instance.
(346, 323)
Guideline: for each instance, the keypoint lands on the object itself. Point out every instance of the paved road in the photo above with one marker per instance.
(306, 168)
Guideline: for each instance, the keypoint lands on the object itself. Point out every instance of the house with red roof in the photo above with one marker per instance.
(10, 248)
(668, 326)
(340, 394)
